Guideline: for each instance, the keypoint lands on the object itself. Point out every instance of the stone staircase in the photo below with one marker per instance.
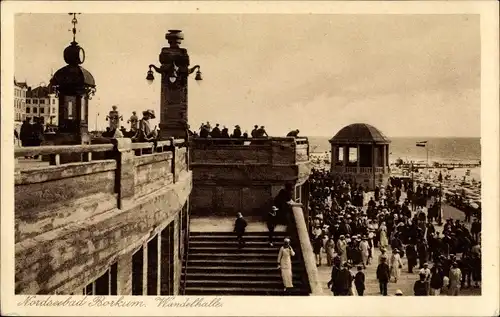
(216, 266)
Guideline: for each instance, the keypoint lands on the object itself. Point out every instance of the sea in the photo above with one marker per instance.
(465, 150)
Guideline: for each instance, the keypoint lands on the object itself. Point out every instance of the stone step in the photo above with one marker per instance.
(257, 270)
(234, 256)
(207, 249)
(232, 243)
(247, 283)
(193, 234)
(240, 291)
(222, 276)
(265, 239)
(271, 263)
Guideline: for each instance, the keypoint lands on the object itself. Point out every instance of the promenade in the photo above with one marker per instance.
(407, 280)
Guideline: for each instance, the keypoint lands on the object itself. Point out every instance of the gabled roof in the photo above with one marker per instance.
(20, 84)
(39, 92)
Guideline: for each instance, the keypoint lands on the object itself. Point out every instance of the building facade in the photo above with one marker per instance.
(20, 90)
(42, 102)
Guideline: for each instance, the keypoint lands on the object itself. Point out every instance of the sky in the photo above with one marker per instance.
(407, 75)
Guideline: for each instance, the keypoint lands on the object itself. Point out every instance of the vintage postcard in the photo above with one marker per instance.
(250, 158)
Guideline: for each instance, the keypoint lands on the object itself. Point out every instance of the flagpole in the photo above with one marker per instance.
(427, 151)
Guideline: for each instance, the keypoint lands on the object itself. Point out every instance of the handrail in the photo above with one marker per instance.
(306, 249)
(61, 149)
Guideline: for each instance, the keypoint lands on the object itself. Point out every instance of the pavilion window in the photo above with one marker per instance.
(353, 156)
(339, 160)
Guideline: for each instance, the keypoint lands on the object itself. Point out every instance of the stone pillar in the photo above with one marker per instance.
(174, 107)
(145, 268)
(357, 159)
(384, 157)
(346, 155)
(334, 156)
(124, 274)
(387, 156)
(125, 170)
(159, 263)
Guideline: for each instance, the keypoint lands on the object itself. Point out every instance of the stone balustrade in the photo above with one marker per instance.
(298, 231)
(74, 220)
(242, 175)
(272, 150)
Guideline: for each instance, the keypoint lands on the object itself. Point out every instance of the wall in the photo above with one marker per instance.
(231, 176)
(75, 220)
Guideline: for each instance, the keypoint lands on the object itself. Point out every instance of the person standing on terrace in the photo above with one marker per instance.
(261, 132)
(293, 133)
(144, 133)
(254, 131)
(215, 133)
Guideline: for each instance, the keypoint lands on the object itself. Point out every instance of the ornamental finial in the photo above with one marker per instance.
(74, 21)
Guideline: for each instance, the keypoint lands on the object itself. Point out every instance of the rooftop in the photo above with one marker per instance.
(359, 133)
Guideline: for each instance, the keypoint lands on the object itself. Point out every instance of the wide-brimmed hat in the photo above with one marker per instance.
(399, 293)
(151, 113)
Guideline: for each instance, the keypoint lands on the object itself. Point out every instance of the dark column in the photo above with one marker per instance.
(167, 260)
(373, 165)
(102, 284)
(137, 272)
(345, 155)
(113, 279)
(153, 266)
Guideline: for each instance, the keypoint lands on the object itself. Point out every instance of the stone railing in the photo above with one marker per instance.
(86, 212)
(269, 151)
(297, 228)
(360, 170)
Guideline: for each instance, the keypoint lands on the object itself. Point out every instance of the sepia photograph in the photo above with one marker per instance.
(215, 155)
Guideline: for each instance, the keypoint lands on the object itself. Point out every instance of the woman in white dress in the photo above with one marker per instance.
(396, 265)
(383, 236)
(285, 263)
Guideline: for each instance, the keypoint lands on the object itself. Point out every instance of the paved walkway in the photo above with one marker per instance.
(406, 281)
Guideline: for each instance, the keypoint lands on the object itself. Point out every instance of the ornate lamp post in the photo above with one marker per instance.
(174, 72)
(74, 86)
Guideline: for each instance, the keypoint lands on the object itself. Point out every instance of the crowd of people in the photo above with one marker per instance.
(349, 228)
(30, 134)
(207, 131)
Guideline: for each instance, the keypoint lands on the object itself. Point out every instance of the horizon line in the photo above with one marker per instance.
(408, 136)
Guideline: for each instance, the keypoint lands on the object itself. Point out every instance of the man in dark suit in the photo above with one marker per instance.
(359, 281)
(383, 276)
(239, 228)
(271, 223)
(345, 281)
(333, 283)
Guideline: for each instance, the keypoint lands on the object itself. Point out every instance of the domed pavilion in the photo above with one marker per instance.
(360, 152)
